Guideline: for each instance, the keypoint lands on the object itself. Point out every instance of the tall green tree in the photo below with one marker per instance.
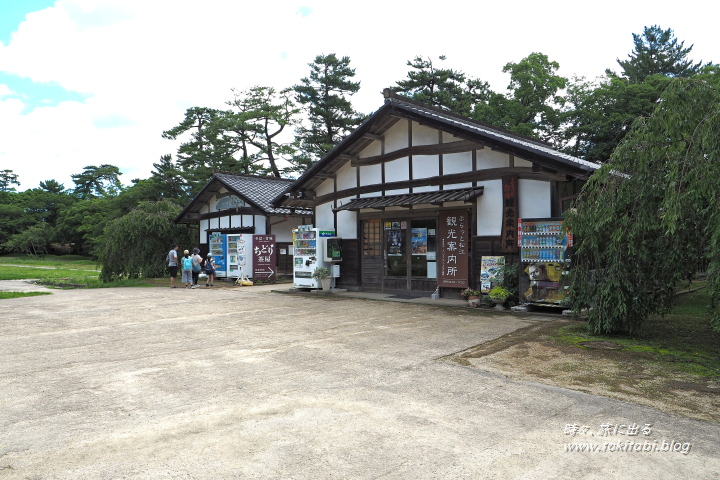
(267, 113)
(324, 95)
(97, 181)
(599, 114)
(442, 87)
(650, 215)
(135, 244)
(658, 52)
(532, 104)
(7, 179)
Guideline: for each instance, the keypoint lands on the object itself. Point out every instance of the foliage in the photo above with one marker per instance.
(531, 106)
(657, 51)
(136, 244)
(323, 95)
(469, 292)
(8, 178)
(34, 240)
(97, 181)
(441, 87)
(649, 216)
(500, 293)
(321, 273)
(600, 114)
(511, 278)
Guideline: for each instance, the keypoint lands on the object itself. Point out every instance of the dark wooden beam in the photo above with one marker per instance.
(372, 136)
(452, 147)
(464, 177)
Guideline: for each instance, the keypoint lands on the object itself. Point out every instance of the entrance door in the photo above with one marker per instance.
(410, 255)
(372, 256)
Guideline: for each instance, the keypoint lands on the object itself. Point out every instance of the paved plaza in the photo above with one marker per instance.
(235, 383)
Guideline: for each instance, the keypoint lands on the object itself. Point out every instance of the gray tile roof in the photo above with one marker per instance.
(407, 199)
(259, 191)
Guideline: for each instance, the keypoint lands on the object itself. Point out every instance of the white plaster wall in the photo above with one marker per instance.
(375, 148)
(203, 234)
(397, 137)
(520, 162)
(324, 217)
(488, 158)
(425, 166)
(328, 186)
(260, 225)
(490, 208)
(422, 135)
(236, 221)
(457, 163)
(282, 230)
(534, 198)
(224, 222)
(247, 220)
(346, 177)
(396, 171)
(347, 223)
(370, 175)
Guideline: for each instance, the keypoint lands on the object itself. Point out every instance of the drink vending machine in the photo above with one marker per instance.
(313, 248)
(232, 254)
(545, 248)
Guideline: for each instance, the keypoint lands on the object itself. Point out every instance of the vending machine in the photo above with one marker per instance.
(232, 254)
(313, 248)
(545, 249)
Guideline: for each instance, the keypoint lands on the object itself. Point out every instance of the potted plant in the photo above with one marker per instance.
(322, 275)
(499, 295)
(472, 296)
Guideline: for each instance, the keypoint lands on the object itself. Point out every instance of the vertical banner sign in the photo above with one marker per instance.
(453, 236)
(509, 235)
(264, 257)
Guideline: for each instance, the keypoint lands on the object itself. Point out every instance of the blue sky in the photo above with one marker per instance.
(34, 94)
(97, 81)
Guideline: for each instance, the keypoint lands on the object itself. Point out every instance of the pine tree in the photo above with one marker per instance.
(324, 96)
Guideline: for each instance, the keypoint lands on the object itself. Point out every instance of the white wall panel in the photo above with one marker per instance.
(425, 166)
(397, 137)
(324, 217)
(375, 148)
(488, 158)
(457, 163)
(519, 162)
(347, 223)
(282, 230)
(370, 175)
(328, 186)
(490, 208)
(535, 198)
(247, 221)
(423, 135)
(260, 225)
(346, 177)
(224, 222)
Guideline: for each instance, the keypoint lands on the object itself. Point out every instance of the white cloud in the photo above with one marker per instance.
(142, 63)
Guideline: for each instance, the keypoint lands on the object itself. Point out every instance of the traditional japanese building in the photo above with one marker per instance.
(242, 204)
(419, 195)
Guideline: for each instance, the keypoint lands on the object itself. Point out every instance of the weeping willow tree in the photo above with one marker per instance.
(648, 218)
(136, 244)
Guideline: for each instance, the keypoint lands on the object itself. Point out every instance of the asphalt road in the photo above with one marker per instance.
(154, 383)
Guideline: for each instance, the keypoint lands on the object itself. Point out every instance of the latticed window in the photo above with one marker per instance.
(372, 241)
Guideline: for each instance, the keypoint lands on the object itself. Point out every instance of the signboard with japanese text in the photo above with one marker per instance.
(264, 256)
(453, 246)
(509, 236)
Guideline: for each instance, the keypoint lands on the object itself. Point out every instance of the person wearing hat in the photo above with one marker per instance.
(210, 270)
(186, 262)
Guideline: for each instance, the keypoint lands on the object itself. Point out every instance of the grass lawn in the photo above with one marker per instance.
(66, 271)
(674, 365)
(4, 295)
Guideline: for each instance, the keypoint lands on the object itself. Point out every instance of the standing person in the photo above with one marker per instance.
(172, 259)
(210, 270)
(196, 266)
(187, 269)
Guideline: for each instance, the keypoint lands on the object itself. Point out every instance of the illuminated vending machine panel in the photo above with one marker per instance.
(217, 248)
(308, 255)
(545, 248)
